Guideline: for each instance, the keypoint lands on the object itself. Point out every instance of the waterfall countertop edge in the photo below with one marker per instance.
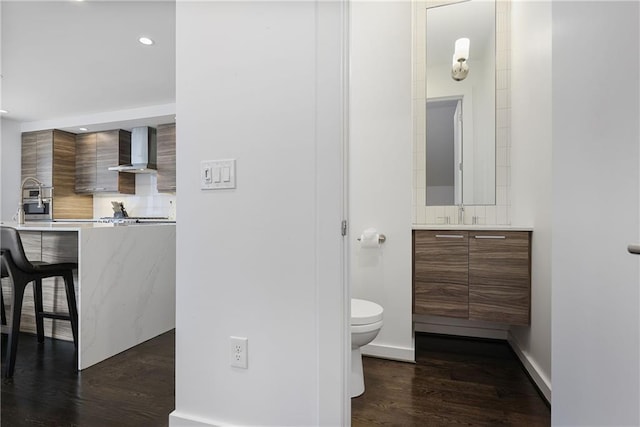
(75, 226)
(469, 227)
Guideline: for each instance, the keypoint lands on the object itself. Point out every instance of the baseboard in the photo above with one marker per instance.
(402, 354)
(461, 330)
(540, 380)
(177, 419)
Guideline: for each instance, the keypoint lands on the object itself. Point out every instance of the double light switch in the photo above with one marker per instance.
(216, 174)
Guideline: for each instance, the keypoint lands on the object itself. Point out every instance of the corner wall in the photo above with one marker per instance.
(531, 175)
(380, 167)
(261, 83)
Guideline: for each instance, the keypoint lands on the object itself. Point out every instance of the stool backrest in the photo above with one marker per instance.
(11, 245)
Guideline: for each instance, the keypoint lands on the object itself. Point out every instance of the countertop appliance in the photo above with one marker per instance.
(34, 196)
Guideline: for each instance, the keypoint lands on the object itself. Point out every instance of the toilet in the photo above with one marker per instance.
(366, 321)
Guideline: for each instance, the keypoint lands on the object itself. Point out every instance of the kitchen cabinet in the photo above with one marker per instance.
(475, 275)
(49, 156)
(95, 153)
(166, 158)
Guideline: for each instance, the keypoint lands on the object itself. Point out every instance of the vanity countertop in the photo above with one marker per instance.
(470, 227)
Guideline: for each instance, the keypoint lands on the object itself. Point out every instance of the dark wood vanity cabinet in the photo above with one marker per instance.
(95, 153)
(441, 273)
(500, 276)
(166, 158)
(476, 275)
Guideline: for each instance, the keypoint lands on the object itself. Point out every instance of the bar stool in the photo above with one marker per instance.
(21, 271)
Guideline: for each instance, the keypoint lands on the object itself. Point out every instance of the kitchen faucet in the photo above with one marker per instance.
(20, 213)
(460, 213)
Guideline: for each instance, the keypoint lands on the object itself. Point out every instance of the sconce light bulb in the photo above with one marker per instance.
(462, 49)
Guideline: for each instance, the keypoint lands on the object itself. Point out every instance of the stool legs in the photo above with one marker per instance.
(37, 299)
(2, 309)
(16, 312)
(71, 303)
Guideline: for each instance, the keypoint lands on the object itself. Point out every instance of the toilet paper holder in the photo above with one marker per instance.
(381, 238)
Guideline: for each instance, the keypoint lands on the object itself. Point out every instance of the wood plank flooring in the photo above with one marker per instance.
(133, 388)
(455, 381)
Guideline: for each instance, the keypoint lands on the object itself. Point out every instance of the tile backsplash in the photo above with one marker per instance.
(490, 214)
(146, 202)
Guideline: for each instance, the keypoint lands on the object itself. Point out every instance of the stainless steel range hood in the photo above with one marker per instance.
(143, 152)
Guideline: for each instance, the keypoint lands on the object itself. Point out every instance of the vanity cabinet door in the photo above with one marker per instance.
(500, 277)
(441, 273)
(166, 161)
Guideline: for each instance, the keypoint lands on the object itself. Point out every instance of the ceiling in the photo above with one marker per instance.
(72, 58)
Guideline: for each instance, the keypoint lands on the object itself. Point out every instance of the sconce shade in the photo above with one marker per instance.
(461, 50)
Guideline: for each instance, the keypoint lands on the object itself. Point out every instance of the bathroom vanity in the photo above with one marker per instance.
(479, 274)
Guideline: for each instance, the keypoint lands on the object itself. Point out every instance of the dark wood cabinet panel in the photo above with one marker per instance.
(107, 150)
(95, 154)
(49, 156)
(37, 156)
(500, 277)
(44, 157)
(441, 273)
(477, 275)
(166, 159)
(29, 154)
(85, 162)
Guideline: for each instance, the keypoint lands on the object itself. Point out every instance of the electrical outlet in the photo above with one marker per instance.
(238, 353)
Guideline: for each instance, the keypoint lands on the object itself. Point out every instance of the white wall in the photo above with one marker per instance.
(10, 166)
(531, 181)
(596, 213)
(260, 82)
(380, 167)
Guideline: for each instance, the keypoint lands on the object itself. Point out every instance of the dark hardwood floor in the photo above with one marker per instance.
(133, 388)
(455, 381)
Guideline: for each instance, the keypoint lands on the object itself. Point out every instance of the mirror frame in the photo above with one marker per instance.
(499, 213)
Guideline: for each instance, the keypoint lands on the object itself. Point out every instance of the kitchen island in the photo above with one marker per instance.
(125, 283)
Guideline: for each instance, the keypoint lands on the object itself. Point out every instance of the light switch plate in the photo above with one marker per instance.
(217, 174)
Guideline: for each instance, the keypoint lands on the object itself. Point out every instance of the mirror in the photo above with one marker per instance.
(461, 109)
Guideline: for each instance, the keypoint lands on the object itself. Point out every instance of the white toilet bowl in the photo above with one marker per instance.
(366, 321)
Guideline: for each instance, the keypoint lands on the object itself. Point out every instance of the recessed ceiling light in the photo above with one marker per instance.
(3, 111)
(83, 129)
(145, 40)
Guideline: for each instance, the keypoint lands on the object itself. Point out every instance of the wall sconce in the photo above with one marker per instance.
(460, 68)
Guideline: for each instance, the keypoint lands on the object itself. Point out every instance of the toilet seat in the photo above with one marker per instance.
(365, 312)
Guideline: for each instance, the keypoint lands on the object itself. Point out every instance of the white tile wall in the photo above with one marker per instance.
(146, 202)
(493, 215)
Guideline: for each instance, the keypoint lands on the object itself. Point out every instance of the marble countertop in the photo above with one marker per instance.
(74, 226)
(471, 227)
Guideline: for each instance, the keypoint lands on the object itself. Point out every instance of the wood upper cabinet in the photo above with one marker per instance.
(49, 156)
(166, 158)
(500, 277)
(37, 156)
(441, 273)
(476, 275)
(85, 162)
(95, 153)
